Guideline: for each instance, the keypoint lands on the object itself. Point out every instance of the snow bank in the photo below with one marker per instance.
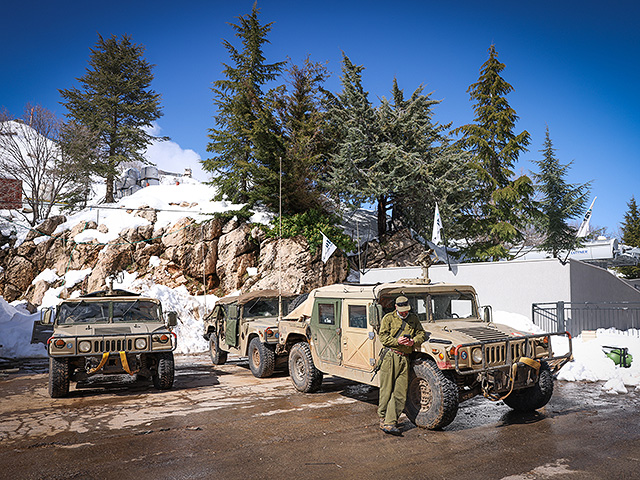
(16, 325)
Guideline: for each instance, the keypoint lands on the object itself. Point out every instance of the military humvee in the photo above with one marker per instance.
(109, 332)
(247, 325)
(335, 332)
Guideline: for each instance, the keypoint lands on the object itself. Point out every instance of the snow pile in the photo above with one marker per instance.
(590, 363)
(16, 325)
(173, 202)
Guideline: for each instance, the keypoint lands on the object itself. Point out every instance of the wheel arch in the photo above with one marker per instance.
(250, 337)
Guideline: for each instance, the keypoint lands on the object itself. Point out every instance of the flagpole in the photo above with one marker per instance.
(437, 224)
(444, 239)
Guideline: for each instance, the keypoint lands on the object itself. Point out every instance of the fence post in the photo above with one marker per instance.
(560, 316)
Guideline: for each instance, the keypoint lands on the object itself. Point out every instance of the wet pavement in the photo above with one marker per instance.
(221, 422)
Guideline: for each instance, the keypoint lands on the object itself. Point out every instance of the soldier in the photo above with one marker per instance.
(400, 331)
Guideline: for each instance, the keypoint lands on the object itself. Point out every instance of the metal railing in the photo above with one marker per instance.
(576, 317)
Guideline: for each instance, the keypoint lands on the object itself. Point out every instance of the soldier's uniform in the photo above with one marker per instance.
(394, 371)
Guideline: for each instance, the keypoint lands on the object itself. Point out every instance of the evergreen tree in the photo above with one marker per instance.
(116, 103)
(560, 201)
(505, 204)
(303, 124)
(419, 165)
(352, 178)
(246, 141)
(631, 236)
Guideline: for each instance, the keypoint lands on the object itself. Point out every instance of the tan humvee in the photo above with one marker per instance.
(247, 325)
(335, 332)
(109, 332)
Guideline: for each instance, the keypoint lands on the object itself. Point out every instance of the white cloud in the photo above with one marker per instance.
(169, 156)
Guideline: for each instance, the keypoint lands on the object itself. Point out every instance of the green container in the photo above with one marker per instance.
(619, 358)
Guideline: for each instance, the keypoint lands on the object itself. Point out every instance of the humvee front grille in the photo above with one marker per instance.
(500, 354)
(495, 354)
(113, 345)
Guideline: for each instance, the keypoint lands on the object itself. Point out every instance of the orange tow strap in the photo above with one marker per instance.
(530, 362)
(125, 363)
(105, 356)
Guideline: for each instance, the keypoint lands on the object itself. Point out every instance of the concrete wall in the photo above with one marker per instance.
(594, 284)
(506, 286)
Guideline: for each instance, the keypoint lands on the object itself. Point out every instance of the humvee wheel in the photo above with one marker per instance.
(305, 376)
(58, 377)
(532, 398)
(432, 398)
(262, 359)
(163, 375)
(218, 356)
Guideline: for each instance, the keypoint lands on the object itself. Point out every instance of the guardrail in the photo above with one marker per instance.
(575, 317)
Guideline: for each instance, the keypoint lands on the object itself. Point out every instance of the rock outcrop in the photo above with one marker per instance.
(221, 254)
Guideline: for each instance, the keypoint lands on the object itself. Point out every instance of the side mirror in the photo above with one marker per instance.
(172, 319)
(46, 316)
(375, 314)
(487, 313)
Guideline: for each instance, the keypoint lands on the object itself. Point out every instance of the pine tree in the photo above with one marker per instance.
(246, 141)
(303, 124)
(352, 178)
(420, 165)
(505, 201)
(116, 103)
(631, 236)
(560, 201)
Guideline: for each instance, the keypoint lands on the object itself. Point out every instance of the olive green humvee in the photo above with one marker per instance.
(247, 325)
(109, 332)
(335, 332)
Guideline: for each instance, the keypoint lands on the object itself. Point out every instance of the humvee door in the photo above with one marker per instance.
(325, 325)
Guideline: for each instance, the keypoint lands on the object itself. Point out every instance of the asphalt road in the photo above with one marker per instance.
(221, 422)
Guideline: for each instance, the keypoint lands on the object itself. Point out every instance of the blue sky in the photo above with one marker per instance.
(574, 66)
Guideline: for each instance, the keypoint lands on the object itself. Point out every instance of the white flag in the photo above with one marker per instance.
(436, 236)
(327, 248)
(583, 231)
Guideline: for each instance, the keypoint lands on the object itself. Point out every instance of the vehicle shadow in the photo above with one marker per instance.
(186, 376)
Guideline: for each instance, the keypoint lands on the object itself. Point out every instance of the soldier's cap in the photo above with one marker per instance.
(402, 304)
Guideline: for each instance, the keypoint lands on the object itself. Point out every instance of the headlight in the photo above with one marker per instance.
(141, 343)
(84, 346)
(476, 355)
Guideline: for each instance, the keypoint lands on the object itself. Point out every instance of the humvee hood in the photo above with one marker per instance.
(469, 332)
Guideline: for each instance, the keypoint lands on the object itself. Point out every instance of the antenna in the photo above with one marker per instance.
(278, 244)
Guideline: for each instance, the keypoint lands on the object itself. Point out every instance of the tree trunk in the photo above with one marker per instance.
(382, 216)
(108, 198)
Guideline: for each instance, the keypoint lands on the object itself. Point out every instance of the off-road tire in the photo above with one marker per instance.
(432, 397)
(535, 397)
(218, 356)
(262, 358)
(58, 377)
(305, 376)
(164, 372)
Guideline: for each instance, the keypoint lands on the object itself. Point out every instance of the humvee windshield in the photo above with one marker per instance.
(265, 308)
(435, 306)
(108, 312)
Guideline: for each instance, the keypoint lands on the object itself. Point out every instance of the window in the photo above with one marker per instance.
(326, 314)
(458, 305)
(262, 308)
(357, 316)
